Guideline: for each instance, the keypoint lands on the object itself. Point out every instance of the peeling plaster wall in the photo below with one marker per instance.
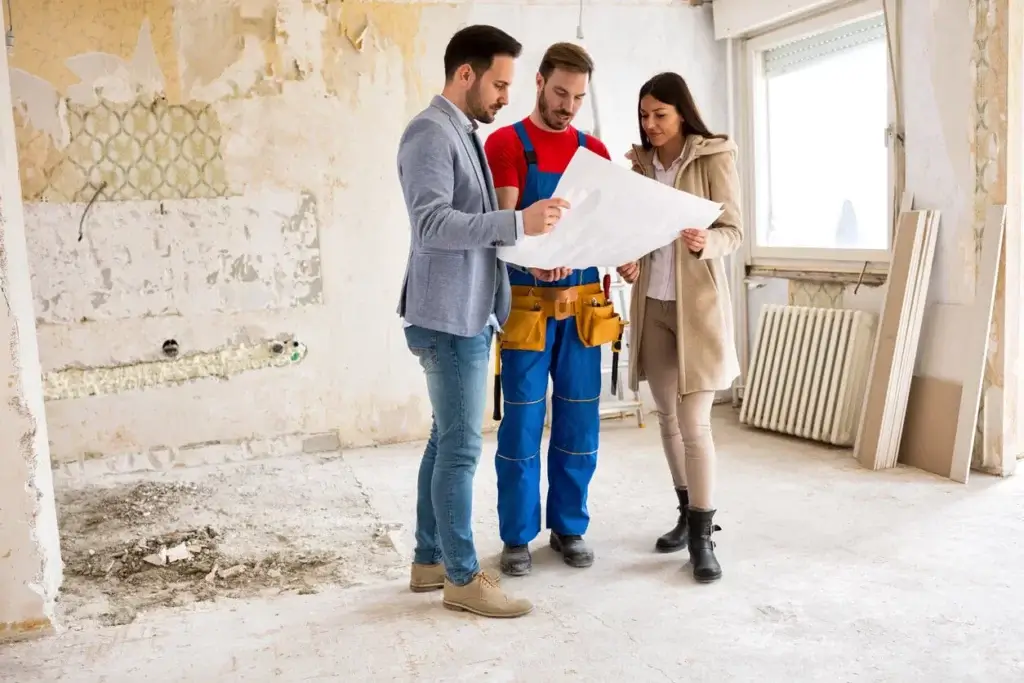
(938, 103)
(227, 255)
(239, 156)
(30, 564)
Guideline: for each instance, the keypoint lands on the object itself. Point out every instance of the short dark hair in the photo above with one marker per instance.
(567, 57)
(478, 45)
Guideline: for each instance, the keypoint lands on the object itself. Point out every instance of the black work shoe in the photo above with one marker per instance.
(675, 539)
(702, 549)
(574, 550)
(516, 560)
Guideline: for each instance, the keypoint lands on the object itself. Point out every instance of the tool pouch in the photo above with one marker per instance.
(598, 323)
(526, 327)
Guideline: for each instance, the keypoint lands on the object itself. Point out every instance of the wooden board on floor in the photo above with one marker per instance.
(884, 355)
(976, 351)
(895, 352)
(909, 341)
(929, 429)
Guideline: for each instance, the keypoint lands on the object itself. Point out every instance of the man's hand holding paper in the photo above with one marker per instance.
(550, 275)
(540, 217)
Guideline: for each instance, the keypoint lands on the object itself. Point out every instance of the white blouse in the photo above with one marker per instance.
(663, 261)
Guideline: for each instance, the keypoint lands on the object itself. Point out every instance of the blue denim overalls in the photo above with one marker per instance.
(576, 374)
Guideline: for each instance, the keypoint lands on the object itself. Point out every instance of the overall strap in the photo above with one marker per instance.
(528, 151)
(581, 138)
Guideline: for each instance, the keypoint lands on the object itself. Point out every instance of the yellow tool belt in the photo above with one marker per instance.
(526, 328)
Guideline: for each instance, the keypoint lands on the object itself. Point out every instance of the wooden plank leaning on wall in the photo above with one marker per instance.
(942, 415)
(896, 342)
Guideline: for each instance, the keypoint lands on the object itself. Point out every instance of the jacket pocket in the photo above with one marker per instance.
(711, 273)
(446, 278)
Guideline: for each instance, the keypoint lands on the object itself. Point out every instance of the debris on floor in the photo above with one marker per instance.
(138, 542)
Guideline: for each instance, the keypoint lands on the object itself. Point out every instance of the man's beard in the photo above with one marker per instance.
(551, 117)
(477, 110)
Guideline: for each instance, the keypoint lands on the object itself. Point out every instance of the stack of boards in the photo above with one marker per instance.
(884, 413)
(877, 445)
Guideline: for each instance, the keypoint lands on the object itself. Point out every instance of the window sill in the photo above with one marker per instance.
(873, 276)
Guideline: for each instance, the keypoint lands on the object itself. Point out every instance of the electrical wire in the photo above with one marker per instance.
(596, 132)
(898, 135)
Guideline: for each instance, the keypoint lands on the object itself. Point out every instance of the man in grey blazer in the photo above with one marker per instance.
(455, 296)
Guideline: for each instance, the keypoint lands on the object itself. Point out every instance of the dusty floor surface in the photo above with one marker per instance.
(137, 542)
(832, 574)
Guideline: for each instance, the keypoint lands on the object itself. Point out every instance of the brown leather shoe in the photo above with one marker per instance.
(482, 596)
(424, 578)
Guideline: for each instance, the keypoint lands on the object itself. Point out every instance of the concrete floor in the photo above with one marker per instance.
(832, 574)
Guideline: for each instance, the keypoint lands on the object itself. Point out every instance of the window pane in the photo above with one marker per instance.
(828, 163)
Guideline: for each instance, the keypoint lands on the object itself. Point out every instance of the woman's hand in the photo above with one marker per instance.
(695, 239)
(629, 272)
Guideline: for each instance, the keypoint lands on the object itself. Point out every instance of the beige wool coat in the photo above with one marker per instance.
(705, 342)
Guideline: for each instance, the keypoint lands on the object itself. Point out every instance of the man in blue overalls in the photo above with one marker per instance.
(527, 160)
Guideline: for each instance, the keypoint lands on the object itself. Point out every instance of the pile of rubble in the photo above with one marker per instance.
(136, 545)
(190, 555)
(189, 552)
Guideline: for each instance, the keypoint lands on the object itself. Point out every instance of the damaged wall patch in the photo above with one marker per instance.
(184, 257)
(111, 45)
(221, 364)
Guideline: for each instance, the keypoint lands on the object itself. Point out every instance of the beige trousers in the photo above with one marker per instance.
(685, 422)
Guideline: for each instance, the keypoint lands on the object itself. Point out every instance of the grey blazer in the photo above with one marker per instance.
(454, 280)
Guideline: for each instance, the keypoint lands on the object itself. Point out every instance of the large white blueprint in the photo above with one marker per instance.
(616, 216)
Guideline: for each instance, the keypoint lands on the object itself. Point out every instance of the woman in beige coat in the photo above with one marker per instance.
(681, 312)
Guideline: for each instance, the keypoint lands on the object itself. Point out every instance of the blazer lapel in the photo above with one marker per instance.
(483, 174)
(492, 196)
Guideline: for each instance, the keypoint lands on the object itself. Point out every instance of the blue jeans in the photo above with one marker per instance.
(456, 369)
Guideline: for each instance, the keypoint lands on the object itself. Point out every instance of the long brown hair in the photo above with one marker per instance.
(671, 88)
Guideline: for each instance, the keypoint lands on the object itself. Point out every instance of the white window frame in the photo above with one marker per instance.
(754, 143)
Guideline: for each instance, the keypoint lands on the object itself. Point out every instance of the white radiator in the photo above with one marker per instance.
(809, 372)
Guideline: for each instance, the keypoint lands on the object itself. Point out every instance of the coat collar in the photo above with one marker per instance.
(454, 113)
(695, 146)
(471, 147)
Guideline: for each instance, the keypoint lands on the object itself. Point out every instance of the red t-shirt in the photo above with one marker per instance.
(507, 160)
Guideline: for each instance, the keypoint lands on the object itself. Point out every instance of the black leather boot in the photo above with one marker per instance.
(574, 550)
(702, 549)
(516, 560)
(675, 540)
